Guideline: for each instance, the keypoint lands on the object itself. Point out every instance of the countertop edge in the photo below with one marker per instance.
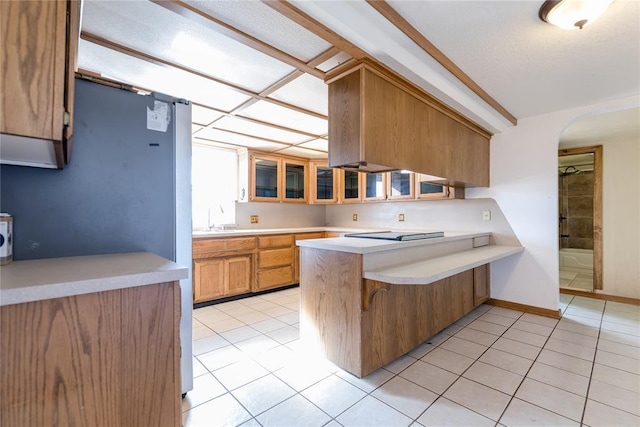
(435, 269)
(351, 244)
(147, 269)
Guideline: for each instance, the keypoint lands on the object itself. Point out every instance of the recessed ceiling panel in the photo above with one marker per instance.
(316, 144)
(149, 28)
(197, 141)
(301, 152)
(260, 21)
(238, 140)
(124, 68)
(195, 128)
(306, 91)
(268, 112)
(203, 115)
(247, 127)
(331, 63)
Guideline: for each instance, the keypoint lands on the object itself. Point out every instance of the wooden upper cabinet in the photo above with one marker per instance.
(401, 185)
(38, 62)
(350, 186)
(379, 122)
(374, 186)
(324, 183)
(277, 179)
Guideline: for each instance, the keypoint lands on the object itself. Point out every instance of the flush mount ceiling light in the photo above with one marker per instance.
(572, 14)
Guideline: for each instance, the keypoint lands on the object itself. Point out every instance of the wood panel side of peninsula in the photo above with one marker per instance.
(360, 324)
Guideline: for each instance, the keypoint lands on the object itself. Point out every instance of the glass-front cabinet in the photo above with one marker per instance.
(324, 183)
(401, 185)
(266, 178)
(350, 189)
(375, 186)
(426, 189)
(276, 179)
(295, 180)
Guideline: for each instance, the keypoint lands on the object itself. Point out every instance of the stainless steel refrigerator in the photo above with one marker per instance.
(127, 188)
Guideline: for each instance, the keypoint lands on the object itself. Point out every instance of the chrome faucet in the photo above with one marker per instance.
(209, 226)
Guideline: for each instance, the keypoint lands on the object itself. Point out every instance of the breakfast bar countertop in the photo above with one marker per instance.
(365, 246)
(41, 279)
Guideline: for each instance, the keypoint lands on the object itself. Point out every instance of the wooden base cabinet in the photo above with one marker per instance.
(275, 261)
(481, 284)
(103, 359)
(220, 277)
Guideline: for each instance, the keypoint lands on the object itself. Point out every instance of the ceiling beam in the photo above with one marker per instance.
(192, 13)
(410, 31)
(299, 17)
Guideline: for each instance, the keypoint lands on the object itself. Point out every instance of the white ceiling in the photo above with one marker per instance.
(526, 65)
(612, 126)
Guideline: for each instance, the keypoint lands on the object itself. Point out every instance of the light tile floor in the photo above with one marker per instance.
(492, 367)
(573, 280)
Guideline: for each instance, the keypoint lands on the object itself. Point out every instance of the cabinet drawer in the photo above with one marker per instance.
(275, 257)
(274, 277)
(305, 236)
(275, 241)
(219, 245)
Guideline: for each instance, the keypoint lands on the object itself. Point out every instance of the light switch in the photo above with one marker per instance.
(486, 215)
(400, 217)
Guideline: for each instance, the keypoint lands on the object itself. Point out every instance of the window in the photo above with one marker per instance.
(214, 177)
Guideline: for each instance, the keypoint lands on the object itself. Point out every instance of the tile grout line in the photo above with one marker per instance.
(593, 364)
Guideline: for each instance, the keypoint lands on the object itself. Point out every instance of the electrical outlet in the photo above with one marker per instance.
(486, 215)
(355, 217)
(400, 217)
(254, 219)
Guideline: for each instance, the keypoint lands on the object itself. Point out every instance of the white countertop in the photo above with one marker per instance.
(363, 246)
(434, 269)
(259, 231)
(36, 280)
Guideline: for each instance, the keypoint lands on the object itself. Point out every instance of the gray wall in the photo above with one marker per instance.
(116, 195)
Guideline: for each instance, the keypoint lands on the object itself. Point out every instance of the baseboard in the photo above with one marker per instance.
(606, 297)
(556, 314)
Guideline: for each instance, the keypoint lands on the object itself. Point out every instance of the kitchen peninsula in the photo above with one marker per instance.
(365, 302)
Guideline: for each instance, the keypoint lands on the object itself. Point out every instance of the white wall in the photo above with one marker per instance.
(524, 161)
(279, 215)
(436, 215)
(621, 218)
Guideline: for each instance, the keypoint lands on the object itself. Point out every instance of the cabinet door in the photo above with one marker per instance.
(350, 187)
(38, 64)
(324, 183)
(401, 185)
(295, 181)
(238, 272)
(428, 190)
(208, 279)
(274, 277)
(264, 179)
(481, 289)
(374, 186)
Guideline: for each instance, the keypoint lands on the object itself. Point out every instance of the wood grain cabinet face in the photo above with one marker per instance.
(275, 261)
(481, 286)
(381, 123)
(221, 277)
(38, 61)
(103, 359)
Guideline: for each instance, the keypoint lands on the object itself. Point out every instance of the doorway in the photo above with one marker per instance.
(580, 218)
